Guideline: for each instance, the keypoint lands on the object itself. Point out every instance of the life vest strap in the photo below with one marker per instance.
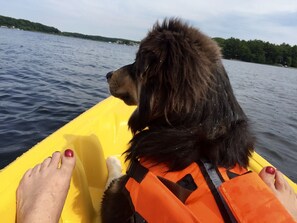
(213, 179)
(138, 173)
(181, 193)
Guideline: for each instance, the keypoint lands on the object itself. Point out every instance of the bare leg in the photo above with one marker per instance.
(281, 188)
(114, 169)
(43, 190)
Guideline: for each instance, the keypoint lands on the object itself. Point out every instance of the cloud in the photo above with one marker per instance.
(273, 20)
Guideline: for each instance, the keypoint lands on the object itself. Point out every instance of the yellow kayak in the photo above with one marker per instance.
(96, 134)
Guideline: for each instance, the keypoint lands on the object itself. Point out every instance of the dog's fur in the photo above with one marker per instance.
(186, 109)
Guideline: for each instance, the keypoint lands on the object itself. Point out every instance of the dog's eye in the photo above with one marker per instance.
(126, 97)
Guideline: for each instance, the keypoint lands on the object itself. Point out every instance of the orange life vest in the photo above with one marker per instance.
(201, 194)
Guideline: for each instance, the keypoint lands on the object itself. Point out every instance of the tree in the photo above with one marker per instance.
(285, 54)
(271, 53)
(257, 50)
(232, 49)
(220, 41)
(294, 56)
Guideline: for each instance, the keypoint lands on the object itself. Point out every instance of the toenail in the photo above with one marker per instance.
(270, 170)
(68, 153)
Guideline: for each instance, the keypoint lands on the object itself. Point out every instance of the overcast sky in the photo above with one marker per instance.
(268, 20)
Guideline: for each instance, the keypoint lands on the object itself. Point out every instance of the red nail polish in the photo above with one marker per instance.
(69, 153)
(270, 170)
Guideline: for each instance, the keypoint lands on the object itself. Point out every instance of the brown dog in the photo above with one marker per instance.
(186, 109)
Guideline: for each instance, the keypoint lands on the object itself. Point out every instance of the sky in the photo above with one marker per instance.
(274, 21)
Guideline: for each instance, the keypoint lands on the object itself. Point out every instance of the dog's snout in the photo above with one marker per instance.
(108, 75)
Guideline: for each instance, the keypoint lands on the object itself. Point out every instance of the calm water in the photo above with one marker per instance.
(47, 80)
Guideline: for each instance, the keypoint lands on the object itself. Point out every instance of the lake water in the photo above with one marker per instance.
(47, 80)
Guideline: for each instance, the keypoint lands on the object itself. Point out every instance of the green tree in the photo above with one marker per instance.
(257, 51)
(220, 41)
(271, 53)
(245, 52)
(232, 49)
(294, 56)
(285, 54)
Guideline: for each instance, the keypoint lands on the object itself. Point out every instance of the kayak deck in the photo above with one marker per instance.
(96, 134)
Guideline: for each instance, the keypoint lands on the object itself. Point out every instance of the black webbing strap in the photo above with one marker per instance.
(214, 180)
(138, 173)
(181, 193)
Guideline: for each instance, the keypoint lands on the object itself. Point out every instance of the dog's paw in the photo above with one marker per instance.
(114, 169)
(113, 164)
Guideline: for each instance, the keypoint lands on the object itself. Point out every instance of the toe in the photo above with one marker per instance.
(27, 174)
(68, 162)
(25, 177)
(280, 182)
(35, 169)
(267, 174)
(55, 160)
(46, 163)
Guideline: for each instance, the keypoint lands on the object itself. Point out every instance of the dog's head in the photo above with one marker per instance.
(172, 73)
(178, 82)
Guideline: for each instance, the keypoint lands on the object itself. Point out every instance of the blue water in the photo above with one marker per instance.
(47, 80)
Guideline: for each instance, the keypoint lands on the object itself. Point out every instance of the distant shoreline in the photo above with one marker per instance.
(254, 51)
(21, 24)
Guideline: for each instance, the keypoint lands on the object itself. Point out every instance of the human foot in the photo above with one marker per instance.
(43, 189)
(281, 188)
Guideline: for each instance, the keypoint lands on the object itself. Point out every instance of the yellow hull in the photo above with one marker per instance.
(96, 134)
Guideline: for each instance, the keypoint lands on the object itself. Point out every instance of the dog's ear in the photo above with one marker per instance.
(175, 64)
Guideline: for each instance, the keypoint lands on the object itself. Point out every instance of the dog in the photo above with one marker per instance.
(186, 109)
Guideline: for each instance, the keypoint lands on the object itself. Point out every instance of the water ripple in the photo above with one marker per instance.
(47, 80)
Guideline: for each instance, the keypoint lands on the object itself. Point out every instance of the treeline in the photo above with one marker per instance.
(37, 27)
(26, 25)
(100, 38)
(257, 51)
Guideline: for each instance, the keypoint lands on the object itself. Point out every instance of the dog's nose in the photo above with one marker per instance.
(108, 75)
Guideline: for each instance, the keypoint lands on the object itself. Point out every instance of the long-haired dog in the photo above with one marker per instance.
(186, 109)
